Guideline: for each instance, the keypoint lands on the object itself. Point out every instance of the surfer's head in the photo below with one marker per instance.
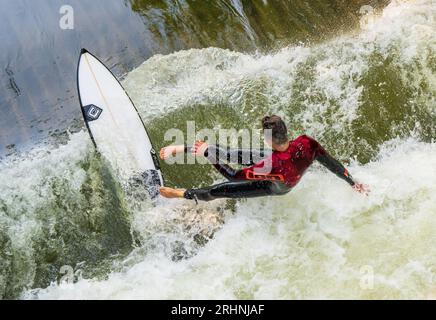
(276, 132)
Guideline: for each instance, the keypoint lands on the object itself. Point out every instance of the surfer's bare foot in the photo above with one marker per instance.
(171, 193)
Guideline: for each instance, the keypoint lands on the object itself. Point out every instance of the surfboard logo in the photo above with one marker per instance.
(92, 112)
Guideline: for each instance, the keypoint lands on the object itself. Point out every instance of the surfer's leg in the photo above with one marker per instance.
(238, 189)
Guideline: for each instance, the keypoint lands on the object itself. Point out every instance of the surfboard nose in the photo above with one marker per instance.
(83, 51)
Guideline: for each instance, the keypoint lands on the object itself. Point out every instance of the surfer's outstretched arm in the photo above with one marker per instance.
(323, 157)
(255, 172)
(236, 156)
(336, 167)
(215, 157)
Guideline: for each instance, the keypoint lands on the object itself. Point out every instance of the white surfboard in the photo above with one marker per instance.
(114, 123)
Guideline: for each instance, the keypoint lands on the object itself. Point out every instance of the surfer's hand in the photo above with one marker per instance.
(171, 151)
(362, 188)
(199, 148)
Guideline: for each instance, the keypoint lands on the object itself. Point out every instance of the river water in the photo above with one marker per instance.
(365, 92)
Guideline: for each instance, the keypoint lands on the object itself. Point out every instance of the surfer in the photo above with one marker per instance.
(273, 173)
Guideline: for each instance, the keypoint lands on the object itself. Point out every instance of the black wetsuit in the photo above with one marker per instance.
(276, 174)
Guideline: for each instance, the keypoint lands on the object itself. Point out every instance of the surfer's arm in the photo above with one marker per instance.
(202, 148)
(323, 157)
(228, 172)
(336, 167)
(237, 156)
(215, 156)
(259, 171)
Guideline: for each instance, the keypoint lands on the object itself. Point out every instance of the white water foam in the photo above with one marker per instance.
(316, 242)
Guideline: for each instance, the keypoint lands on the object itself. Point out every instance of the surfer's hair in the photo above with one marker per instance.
(278, 127)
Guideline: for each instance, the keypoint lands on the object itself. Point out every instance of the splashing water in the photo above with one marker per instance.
(317, 242)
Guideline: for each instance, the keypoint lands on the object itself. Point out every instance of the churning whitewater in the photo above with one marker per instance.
(321, 241)
(368, 96)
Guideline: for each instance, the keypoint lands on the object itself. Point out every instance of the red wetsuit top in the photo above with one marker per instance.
(288, 166)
